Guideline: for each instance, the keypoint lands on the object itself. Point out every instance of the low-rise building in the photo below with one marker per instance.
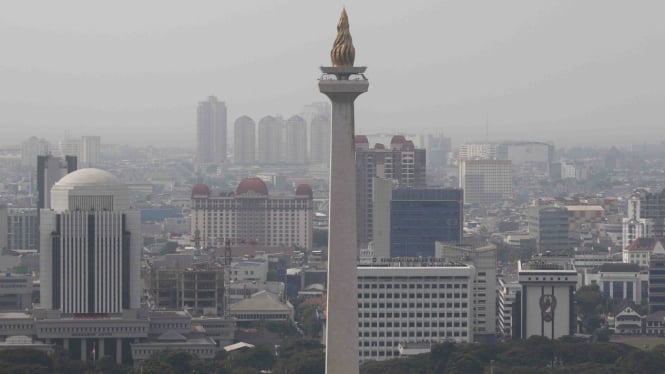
(262, 306)
(619, 281)
(627, 320)
(640, 250)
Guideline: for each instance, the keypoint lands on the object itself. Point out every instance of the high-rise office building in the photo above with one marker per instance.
(401, 162)
(430, 302)
(549, 225)
(486, 181)
(21, 229)
(90, 246)
(483, 259)
(244, 145)
(31, 148)
(296, 140)
(477, 151)
(408, 222)
(90, 150)
(49, 170)
(646, 216)
(319, 151)
(438, 149)
(535, 156)
(271, 140)
(69, 147)
(656, 292)
(211, 131)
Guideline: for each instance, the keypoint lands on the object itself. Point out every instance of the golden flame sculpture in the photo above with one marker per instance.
(343, 53)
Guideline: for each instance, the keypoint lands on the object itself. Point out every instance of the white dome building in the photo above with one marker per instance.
(90, 246)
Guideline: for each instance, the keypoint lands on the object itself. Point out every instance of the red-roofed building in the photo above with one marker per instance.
(401, 162)
(252, 216)
(640, 250)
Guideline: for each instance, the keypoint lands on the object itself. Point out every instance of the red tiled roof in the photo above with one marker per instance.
(645, 244)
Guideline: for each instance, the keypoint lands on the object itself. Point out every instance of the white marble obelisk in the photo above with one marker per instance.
(342, 83)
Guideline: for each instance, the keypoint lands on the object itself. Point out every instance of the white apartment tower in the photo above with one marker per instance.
(320, 140)
(91, 147)
(296, 140)
(244, 134)
(211, 131)
(271, 140)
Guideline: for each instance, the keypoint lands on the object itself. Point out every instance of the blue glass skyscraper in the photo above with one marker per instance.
(421, 217)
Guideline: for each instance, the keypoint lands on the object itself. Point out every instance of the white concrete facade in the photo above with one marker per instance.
(486, 181)
(267, 220)
(398, 305)
(548, 286)
(342, 319)
(507, 291)
(90, 246)
(483, 259)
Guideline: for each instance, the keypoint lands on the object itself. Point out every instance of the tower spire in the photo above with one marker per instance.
(343, 53)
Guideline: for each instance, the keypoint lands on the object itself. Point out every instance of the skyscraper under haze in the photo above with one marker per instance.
(296, 140)
(271, 140)
(319, 151)
(211, 131)
(244, 145)
(91, 147)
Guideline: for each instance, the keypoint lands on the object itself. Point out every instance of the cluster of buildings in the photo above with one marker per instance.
(273, 141)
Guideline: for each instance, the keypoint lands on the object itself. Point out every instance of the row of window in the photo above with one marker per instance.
(462, 323)
(412, 315)
(412, 305)
(412, 295)
(413, 285)
(410, 334)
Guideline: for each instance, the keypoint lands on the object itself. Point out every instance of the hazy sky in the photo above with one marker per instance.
(573, 72)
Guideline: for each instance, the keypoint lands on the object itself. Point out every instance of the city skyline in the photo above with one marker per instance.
(550, 72)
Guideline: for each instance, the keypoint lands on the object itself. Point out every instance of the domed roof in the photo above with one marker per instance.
(252, 184)
(408, 145)
(244, 121)
(200, 189)
(304, 189)
(88, 177)
(296, 119)
(397, 139)
(379, 146)
(361, 139)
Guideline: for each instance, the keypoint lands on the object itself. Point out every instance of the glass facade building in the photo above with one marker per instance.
(421, 217)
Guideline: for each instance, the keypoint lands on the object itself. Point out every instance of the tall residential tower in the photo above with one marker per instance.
(211, 131)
